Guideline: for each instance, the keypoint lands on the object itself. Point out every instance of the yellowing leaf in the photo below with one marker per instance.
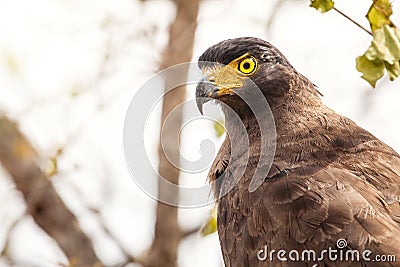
(219, 128)
(384, 52)
(51, 167)
(393, 70)
(372, 70)
(322, 5)
(387, 44)
(379, 14)
(211, 225)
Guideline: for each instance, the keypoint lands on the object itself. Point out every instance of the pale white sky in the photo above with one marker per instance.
(50, 50)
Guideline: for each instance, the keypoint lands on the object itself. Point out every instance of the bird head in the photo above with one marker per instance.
(240, 65)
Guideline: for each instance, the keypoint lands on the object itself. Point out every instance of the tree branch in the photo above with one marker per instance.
(43, 203)
(190, 232)
(163, 251)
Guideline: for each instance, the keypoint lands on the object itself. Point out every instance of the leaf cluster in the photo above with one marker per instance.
(384, 52)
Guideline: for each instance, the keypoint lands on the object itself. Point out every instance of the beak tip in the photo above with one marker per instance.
(200, 104)
(205, 91)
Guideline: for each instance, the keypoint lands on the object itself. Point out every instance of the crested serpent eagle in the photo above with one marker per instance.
(329, 180)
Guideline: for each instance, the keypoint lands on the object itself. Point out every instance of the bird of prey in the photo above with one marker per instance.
(330, 180)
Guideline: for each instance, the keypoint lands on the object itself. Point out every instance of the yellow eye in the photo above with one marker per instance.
(248, 65)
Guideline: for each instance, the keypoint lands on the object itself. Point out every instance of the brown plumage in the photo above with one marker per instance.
(330, 179)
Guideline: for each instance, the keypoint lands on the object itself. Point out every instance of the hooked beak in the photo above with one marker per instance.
(205, 91)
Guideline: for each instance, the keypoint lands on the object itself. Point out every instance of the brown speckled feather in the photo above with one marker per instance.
(330, 179)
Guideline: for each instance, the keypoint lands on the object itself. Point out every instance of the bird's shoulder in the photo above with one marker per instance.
(353, 194)
(350, 180)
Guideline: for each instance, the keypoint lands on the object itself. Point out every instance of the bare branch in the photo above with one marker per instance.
(46, 207)
(129, 258)
(163, 251)
(185, 234)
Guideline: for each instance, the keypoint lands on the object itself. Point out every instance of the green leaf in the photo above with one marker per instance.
(211, 225)
(219, 128)
(387, 44)
(379, 14)
(371, 69)
(322, 5)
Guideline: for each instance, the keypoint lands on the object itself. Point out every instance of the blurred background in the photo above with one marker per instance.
(68, 71)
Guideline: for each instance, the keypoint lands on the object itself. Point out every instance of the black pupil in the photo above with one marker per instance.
(246, 65)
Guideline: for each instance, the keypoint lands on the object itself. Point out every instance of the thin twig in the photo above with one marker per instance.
(275, 11)
(355, 22)
(190, 232)
(129, 258)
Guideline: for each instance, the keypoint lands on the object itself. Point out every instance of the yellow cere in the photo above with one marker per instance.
(232, 75)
